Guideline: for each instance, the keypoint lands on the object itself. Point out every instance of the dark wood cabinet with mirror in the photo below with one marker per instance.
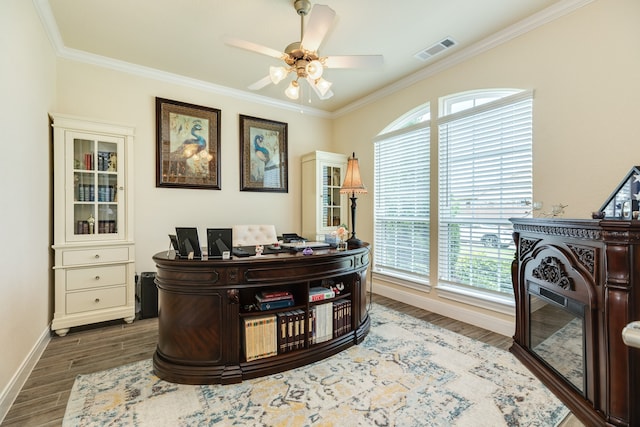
(577, 285)
(224, 321)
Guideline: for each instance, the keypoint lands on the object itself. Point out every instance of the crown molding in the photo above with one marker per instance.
(48, 20)
(549, 14)
(545, 16)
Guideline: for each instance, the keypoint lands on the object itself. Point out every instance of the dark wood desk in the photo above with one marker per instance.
(202, 304)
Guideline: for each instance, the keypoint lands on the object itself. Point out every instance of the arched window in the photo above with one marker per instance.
(401, 197)
(420, 114)
(484, 178)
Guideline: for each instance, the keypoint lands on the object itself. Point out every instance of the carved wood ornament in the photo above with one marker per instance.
(586, 257)
(552, 271)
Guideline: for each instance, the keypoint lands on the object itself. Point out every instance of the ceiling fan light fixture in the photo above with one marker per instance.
(323, 86)
(293, 91)
(314, 69)
(301, 57)
(277, 74)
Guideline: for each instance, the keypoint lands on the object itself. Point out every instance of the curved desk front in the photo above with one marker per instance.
(204, 305)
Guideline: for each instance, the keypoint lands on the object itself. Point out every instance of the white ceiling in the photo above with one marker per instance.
(185, 37)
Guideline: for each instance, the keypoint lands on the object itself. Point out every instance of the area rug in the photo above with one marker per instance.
(407, 372)
(563, 350)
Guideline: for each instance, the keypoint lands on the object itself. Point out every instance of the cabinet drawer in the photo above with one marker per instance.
(78, 302)
(95, 256)
(94, 277)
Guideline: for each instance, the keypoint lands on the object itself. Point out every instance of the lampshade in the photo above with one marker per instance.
(352, 180)
(277, 74)
(314, 69)
(323, 86)
(293, 91)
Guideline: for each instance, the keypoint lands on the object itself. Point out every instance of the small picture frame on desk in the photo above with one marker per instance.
(188, 242)
(219, 243)
(173, 239)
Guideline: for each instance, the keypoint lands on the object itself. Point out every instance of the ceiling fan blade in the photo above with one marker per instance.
(319, 22)
(260, 83)
(354, 61)
(253, 47)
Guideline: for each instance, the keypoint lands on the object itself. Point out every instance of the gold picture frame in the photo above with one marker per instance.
(188, 145)
(263, 155)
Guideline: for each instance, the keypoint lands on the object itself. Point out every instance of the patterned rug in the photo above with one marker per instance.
(407, 372)
(563, 350)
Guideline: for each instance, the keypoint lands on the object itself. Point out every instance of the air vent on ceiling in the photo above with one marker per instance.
(427, 53)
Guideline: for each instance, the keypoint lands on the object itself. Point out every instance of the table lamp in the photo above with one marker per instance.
(353, 184)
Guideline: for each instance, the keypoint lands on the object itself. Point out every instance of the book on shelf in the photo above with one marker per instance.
(341, 317)
(104, 157)
(291, 330)
(271, 300)
(88, 161)
(320, 323)
(266, 296)
(283, 332)
(85, 193)
(260, 337)
(276, 304)
(319, 293)
(82, 227)
(300, 332)
(106, 193)
(290, 335)
(295, 335)
(101, 160)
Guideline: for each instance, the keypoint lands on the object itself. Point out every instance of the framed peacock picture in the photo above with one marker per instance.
(263, 155)
(188, 145)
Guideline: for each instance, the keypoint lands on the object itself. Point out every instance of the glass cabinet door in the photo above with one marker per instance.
(332, 215)
(96, 175)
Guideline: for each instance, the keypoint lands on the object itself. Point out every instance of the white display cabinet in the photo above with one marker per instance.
(323, 207)
(93, 222)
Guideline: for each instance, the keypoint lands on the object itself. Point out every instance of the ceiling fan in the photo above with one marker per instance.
(302, 58)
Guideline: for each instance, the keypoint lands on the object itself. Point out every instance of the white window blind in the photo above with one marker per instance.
(485, 177)
(401, 217)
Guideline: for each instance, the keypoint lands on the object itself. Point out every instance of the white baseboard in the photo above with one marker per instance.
(11, 391)
(491, 323)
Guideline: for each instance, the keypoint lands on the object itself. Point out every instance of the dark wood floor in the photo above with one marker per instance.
(43, 399)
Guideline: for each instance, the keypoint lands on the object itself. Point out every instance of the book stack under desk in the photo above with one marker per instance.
(280, 321)
(270, 301)
(286, 331)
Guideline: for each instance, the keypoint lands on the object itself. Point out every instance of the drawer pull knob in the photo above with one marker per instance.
(97, 256)
(97, 277)
(97, 300)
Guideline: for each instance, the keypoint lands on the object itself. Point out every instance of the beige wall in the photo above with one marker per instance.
(110, 95)
(585, 70)
(27, 85)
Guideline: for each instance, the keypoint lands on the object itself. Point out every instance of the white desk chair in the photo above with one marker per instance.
(251, 235)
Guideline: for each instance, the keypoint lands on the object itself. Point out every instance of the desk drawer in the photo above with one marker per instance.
(95, 277)
(78, 302)
(94, 256)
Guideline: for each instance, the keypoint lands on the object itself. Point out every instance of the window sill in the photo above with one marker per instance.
(408, 282)
(504, 304)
